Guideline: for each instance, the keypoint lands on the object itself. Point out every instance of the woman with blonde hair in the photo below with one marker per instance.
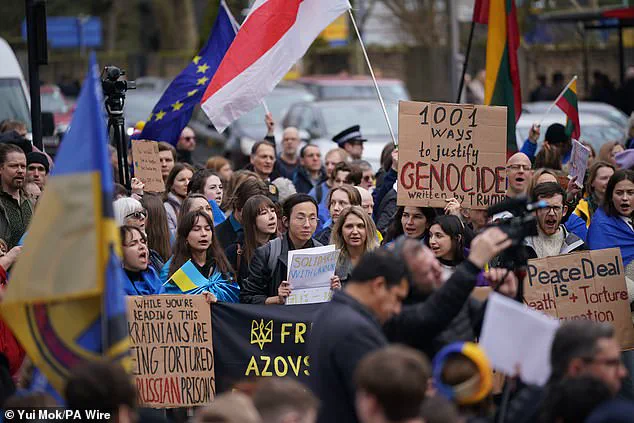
(609, 150)
(596, 184)
(221, 166)
(353, 234)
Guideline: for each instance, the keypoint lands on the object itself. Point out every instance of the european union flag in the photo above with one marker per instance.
(174, 110)
(66, 303)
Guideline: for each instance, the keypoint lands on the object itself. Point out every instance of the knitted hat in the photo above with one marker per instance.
(556, 134)
(37, 157)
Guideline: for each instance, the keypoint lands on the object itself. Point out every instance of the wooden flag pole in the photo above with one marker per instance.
(376, 86)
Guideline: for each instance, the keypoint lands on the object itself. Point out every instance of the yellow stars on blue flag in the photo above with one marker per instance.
(192, 92)
(160, 115)
(202, 81)
(177, 106)
(196, 59)
(202, 68)
(150, 117)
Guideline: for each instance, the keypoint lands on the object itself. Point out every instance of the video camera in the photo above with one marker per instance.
(518, 222)
(114, 88)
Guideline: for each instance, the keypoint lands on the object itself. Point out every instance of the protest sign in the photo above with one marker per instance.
(586, 285)
(172, 350)
(515, 336)
(578, 162)
(451, 150)
(309, 273)
(147, 165)
(254, 341)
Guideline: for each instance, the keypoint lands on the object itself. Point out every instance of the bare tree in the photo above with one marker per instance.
(418, 18)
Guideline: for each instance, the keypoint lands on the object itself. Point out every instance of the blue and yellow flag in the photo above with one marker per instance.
(188, 277)
(65, 300)
(174, 110)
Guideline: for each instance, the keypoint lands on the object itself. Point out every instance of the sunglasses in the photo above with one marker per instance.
(368, 178)
(188, 138)
(138, 215)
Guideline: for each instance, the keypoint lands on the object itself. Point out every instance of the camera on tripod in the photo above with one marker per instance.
(114, 88)
(519, 223)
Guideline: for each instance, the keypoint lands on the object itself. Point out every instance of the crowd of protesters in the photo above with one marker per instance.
(404, 276)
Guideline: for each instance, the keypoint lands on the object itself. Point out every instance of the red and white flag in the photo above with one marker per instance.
(274, 36)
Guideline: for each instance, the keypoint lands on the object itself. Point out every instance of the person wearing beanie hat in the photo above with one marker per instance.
(37, 168)
(556, 137)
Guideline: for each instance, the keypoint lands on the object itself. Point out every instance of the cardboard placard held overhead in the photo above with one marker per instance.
(588, 285)
(147, 165)
(172, 350)
(451, 150)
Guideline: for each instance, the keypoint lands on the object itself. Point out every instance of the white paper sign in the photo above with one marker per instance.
(514, 335)
(578, 162)
(309, 273)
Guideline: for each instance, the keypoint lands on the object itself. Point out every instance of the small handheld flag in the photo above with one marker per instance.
(188, 277)
(567, 102)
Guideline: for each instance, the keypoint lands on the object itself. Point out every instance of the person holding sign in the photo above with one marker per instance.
(140, 278)
(267, 283)
(600, 174)
(197, 243)
(553, 238)
(353, 236)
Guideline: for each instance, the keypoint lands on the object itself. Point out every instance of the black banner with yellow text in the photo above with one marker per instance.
(260, 341)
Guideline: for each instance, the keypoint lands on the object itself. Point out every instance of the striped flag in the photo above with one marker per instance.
(274, 36)
(502, 86)
(567, 102)
(188, 277)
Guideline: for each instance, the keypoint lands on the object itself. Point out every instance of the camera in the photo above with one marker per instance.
(114, 88)
(519, 223)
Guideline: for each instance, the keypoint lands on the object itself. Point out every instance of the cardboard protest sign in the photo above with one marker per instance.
(172, 350)
(587, 285)
(451, 150)
(147, 165)
(309, 273)
(578, 162)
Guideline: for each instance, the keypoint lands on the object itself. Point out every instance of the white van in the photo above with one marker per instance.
(15, 101)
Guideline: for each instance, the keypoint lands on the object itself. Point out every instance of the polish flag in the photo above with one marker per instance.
(274, 36)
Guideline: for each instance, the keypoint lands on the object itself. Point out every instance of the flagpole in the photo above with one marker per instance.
(376, 85)
(574, 78)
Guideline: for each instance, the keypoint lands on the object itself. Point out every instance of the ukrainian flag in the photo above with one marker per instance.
(188, 277)
(65, 299)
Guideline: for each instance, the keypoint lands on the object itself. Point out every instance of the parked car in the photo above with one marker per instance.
(52, 100)
(139, 102)
(321, 120)
(595, 129)
(604, 110)
(240, 136)
(329, 87)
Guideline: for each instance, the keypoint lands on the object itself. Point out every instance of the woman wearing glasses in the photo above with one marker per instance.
(267, 283)
(140, 278)
(128, 211)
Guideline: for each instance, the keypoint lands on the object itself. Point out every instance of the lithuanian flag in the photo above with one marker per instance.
(502, 86)
(567, 102)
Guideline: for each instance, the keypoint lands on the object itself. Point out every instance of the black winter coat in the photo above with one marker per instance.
(263, 281)
(227, 236)
(343, 332)
(302, 180)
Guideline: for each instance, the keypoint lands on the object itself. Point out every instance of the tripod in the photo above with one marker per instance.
(114, 91)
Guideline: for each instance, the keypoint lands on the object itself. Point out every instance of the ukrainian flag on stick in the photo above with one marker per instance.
(502, 86)
(567, 102)
(65, 300)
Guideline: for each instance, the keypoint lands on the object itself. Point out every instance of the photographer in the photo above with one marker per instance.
(552, 237)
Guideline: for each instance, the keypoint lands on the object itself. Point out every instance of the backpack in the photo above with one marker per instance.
(276, 249)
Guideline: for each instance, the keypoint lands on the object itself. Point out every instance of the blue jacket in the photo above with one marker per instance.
(530, 149)
(322, 211)
(225, 290)
(577, 226)
(302, 181)
(149, 284)
(611, 231)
